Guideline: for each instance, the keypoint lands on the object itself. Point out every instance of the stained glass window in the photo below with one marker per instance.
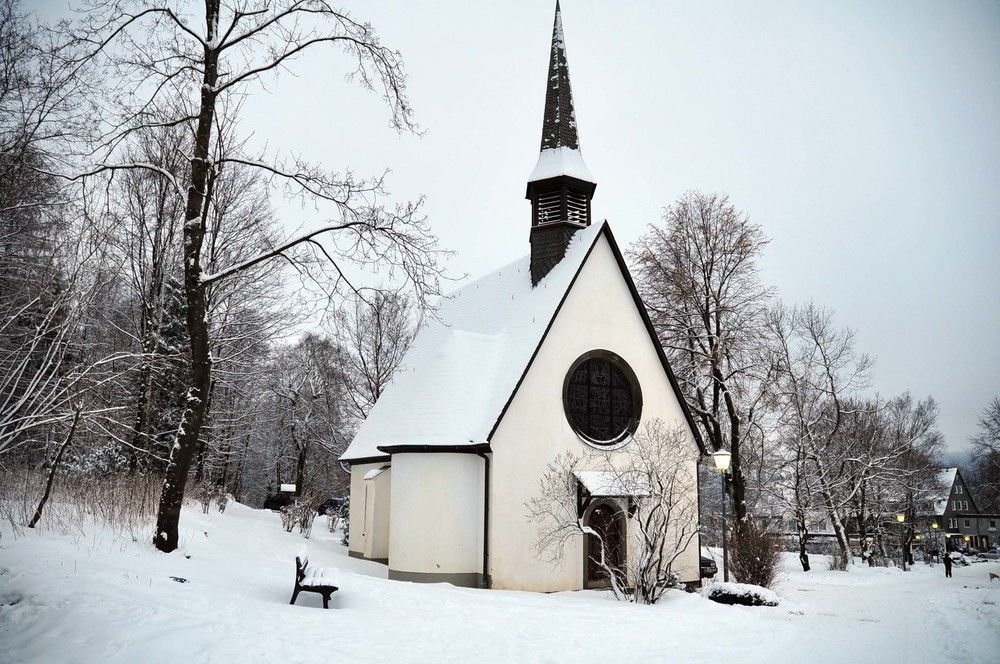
(600, 400)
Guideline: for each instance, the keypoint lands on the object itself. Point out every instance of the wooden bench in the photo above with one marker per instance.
(317, 580)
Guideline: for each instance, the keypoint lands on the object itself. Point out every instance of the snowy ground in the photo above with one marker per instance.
(103, 598)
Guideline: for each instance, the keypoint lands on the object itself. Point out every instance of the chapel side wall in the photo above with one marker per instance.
(597, 313)
(436, 531)
(379, 533)
(357, 541)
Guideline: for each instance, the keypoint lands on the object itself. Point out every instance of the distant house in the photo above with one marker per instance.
(954, 510)
(552, 353)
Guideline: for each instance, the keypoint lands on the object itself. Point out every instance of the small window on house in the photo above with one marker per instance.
(993, 524)
(958, 488)
(968, 524)
(952, 523)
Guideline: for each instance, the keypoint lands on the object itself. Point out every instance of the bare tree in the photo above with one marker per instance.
(817, 370)
(46, 362)
(159, 55)
(986, 455)
(375, 332)
(654, 481)
(310, 389)
(46, 110)
(697, 275)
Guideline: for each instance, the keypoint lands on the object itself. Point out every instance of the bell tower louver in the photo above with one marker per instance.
(561, 187)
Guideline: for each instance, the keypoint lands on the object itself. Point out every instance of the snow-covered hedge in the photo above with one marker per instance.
(741, 593)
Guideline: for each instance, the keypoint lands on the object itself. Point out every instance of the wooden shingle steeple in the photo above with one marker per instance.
(561, 187)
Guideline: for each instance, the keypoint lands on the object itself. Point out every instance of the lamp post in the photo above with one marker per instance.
(902, 518)
(934, 528)
(722, 459)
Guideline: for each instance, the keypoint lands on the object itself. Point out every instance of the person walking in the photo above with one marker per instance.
(947, 566)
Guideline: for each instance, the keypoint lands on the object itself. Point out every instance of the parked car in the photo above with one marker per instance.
(331, 506)
(959, 558)
(707, 565)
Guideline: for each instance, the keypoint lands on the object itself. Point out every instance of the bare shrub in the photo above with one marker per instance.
(655, 477)
(207, 493)
(753, 554)
(299, 514)
(839, 560)
(125, 503)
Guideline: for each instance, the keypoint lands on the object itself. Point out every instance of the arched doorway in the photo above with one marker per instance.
(607, 519)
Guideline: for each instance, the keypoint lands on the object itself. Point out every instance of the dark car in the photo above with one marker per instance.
(708, 567)
(331, 506)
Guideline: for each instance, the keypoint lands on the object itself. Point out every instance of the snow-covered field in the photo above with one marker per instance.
(99, 597)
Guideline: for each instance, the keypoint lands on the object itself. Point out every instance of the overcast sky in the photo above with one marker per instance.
(863, 137)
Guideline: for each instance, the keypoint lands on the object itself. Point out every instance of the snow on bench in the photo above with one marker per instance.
(315, 580)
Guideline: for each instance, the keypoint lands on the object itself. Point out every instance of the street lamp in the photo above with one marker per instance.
(722, 459)
(902, 518)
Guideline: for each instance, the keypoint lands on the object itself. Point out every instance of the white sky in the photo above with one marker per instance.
(863, 136)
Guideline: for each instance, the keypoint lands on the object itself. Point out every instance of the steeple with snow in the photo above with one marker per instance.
(561, 187)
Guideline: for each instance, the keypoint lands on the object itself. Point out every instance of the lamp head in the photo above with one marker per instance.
(722, 458)
(901, 518)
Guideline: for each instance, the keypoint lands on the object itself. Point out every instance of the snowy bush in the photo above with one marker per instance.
(207, 493)
(753, 554)
(299, 514)
(341, 519)
(744, 594)
(838, 560)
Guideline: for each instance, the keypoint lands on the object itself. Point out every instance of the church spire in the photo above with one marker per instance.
(559, 121)
(561, 186)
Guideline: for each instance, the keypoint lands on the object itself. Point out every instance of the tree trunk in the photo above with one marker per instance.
(862, 526)
(300, 471)
(140, 438)
(803, 533)
(196, 406)
(55, 467)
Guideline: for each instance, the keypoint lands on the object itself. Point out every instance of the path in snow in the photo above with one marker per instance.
(99, 597)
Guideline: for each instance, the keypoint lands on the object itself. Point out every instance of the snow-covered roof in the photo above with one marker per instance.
(605, 483)
(463, 366)
(944, 481)
(553, 162)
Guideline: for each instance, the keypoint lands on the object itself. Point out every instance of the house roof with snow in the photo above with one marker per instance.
(465, 365)
(944, 481)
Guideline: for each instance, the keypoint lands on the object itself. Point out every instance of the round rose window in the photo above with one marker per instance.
(602, 398)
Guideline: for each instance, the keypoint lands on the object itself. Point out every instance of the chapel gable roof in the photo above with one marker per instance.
(465, 365)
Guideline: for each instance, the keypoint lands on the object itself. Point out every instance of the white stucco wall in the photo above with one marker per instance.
(357, 541)
(376, 533)
(437, 513)
(598, 314)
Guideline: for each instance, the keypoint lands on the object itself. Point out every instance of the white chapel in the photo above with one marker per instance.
(551, 353)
